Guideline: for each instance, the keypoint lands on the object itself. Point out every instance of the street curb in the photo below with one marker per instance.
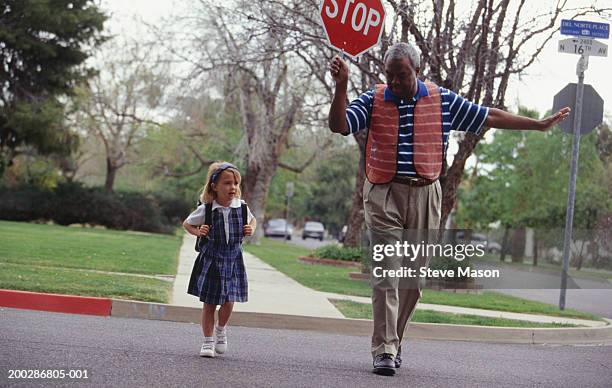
(363, 327)
(356, 327)
(165, 312)
(56, 302)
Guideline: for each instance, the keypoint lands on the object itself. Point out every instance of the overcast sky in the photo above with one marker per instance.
(535, 89)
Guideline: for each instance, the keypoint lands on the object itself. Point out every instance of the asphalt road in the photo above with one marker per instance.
(128, 352)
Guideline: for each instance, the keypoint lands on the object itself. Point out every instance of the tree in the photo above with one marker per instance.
(331, 194)
(43, 45)
(174, 158)
(260, 74)
(119, 102)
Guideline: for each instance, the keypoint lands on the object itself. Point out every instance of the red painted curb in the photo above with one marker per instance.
(56, 302)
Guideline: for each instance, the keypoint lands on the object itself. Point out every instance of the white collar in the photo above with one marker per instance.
(236, 202)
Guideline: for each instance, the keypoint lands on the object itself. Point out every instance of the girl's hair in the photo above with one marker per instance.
(214, 172)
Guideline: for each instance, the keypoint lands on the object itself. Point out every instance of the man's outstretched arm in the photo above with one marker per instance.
(337, 112)
(498, 118)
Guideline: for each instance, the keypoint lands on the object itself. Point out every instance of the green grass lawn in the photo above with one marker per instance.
(283, 256)
(352, 309)
(51, 258)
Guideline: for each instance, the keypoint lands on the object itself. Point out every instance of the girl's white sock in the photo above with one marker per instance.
(209, 339)
(220, 328)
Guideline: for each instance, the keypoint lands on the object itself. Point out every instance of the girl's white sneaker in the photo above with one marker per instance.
(221, 341)
(208, 349)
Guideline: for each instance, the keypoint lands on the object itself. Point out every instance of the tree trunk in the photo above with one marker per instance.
(257, 183)
(451, 180)
(535, 248)
(111, 171)
(518, 245)
(504, 249)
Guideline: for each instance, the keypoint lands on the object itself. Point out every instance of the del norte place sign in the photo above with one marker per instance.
(584, 28)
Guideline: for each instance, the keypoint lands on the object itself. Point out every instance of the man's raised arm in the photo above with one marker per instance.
(337, 112)
(498, 118)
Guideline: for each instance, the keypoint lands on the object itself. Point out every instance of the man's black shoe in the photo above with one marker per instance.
(384, 364)
(398, 358)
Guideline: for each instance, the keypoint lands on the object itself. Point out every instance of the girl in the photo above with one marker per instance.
(219, 277)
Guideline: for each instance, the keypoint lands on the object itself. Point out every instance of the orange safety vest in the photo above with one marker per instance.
(427, 147)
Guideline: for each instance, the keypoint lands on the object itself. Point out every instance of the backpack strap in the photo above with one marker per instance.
(208, 214)
(201, 241)
(244, 213)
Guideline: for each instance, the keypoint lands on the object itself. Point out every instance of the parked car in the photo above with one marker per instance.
(278, 227)
(313, 229)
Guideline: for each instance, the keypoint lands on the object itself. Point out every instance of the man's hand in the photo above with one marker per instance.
(248, 230)
(555, 119)
(339, 70)
(203, 230)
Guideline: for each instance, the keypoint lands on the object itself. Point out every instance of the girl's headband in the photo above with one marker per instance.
(219, 170)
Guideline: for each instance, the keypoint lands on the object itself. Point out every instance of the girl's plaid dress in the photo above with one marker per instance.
(218, 275)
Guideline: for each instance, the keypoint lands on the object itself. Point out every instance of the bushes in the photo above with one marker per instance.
(71, 203)
(24, 204)
(338, 252)
(174, 209)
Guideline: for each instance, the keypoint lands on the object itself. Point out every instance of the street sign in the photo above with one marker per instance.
(592, 108)
(584, 28)
(352, 26)
(583, 46)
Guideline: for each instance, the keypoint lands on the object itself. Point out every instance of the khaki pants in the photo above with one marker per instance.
(391, 209)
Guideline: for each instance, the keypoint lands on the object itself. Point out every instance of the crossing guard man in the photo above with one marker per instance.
(408, 124)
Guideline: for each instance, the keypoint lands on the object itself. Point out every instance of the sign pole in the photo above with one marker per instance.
(583, 63)
(582, 43)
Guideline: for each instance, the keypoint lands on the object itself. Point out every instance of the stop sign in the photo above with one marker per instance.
(353, 26)
(592, 108)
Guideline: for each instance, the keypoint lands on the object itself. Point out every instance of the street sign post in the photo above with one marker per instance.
(585, 28)
(584, 48)
(352, 26)
(590, 47)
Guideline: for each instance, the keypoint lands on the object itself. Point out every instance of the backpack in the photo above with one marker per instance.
(203, 240)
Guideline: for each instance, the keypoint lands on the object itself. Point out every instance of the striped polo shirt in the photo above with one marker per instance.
(458, 114)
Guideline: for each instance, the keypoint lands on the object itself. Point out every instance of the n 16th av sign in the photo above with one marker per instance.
(352, 26)
(582, 46)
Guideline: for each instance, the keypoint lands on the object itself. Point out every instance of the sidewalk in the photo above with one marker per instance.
(270, 291)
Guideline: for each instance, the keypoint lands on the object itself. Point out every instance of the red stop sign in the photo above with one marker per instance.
(353, 26)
